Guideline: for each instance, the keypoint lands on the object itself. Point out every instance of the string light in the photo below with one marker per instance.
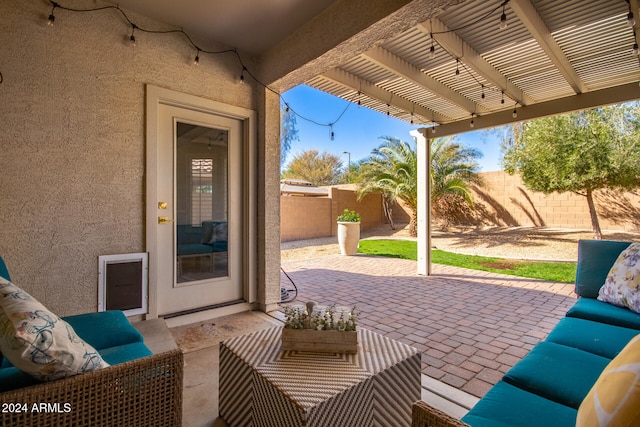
(502, 100)
(242, 74)
(134, 28)
(631, 21)
(515, 112)
(636, 49)
(432, 49)
(472, 123)
(333, 135)
(132, 39)
(503, 17)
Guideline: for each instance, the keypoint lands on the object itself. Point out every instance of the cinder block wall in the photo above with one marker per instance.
(506, 201)
(311, 217)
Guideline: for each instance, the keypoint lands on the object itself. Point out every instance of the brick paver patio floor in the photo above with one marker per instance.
(470, 326)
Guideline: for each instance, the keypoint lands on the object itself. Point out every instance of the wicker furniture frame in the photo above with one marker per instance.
(144, 392)
(424, 415)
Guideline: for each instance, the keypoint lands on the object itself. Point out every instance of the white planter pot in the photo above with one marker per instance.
(348, 237)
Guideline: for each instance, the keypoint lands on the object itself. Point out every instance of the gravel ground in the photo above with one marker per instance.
(533, 243)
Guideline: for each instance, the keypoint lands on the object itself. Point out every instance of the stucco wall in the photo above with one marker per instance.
(309, 217)
(504, 200)
(73, 144)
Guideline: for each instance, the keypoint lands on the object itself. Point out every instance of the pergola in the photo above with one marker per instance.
(481, 64)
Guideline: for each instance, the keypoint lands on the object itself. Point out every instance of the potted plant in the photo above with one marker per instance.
(320, 329)
(348, 232)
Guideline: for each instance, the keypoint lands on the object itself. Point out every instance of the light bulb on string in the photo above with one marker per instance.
(482, 96)
(242, 74)
(388, 110)
(515, 112)
(359, 100)
(132, 38)
(433, 130)
(196, 60)
(636, 49)
(412, 118)
(503, 17)
(502, 100)
(52, 17)
(457, 68)
(472, 122)
(432, 49)
(631, 21)
(332, 135)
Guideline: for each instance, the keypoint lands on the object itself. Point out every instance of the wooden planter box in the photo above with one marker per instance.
(319, 341)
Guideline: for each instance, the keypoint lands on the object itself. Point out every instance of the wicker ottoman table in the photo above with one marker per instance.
(260, 385)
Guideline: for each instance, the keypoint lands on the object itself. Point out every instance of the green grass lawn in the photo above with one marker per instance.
(553, 271)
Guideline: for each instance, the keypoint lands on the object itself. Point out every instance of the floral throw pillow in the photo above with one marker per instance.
(622, 286)
(37, 341)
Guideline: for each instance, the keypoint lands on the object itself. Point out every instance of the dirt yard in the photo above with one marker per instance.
(533, 243)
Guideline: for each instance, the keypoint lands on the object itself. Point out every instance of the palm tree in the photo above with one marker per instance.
(392, 170)
(453, 170)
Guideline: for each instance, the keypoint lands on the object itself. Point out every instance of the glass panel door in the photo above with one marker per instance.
(202, 202)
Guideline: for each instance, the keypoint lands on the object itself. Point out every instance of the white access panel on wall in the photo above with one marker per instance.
(122, 283)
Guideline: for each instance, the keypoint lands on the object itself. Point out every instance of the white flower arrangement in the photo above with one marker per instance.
(320, 318)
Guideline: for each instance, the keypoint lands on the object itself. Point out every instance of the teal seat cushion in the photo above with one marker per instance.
(4, 271)
(12, 378)
(193, 249)
(505, 405)
(594, 337)
(557, 372)
(595, 259)
(104, 329)
(603, 312)
(124, 353)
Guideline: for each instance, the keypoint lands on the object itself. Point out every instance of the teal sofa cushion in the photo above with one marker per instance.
(598, 311)
(505, 405)
(12, 378)
(595, 259)
(4, 272)
(104, 329)
(594, 337)
(124, 353)
(557, 372)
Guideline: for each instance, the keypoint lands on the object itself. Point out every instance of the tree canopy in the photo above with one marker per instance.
(578, 152)
(319, 169)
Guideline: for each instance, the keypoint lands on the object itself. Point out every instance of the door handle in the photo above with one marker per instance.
(164, 220)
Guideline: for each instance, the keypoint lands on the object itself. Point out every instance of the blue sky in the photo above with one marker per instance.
(359, 129)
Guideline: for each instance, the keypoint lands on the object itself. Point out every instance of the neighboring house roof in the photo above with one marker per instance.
(296, 187)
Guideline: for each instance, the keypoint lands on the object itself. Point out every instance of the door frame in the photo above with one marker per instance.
(155, 96)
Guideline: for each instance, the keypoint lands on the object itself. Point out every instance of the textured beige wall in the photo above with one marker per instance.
(504, 200)
(305, 217)
(310, 217)
(72, 140)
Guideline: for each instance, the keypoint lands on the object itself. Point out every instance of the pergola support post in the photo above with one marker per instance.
(423, 147)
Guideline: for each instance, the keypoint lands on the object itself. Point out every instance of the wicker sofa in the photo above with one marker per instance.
(138, 389)
(548, 385)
